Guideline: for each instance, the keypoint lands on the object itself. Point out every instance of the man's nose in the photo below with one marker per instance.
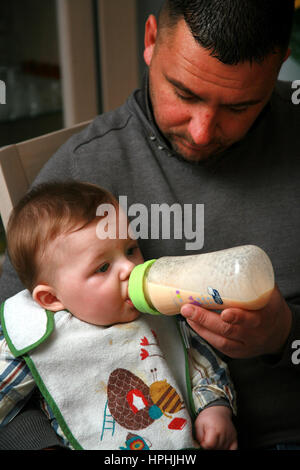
(202, 126)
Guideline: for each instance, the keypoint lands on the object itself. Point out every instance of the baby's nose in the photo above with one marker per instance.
(125, 269)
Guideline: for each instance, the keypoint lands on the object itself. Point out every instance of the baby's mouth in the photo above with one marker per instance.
(129, 302)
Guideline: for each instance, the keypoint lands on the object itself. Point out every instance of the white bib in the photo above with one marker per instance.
(117, 387)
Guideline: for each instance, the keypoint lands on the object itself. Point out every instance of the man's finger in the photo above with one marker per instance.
(230, 347)
(209, 320)
(247, 318)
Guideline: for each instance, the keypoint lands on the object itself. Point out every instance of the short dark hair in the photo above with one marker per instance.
(234, 31)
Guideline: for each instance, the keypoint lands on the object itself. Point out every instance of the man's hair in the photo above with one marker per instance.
(234, 31)
(47, 211)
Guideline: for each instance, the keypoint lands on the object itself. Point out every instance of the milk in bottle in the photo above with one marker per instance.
(237, 277)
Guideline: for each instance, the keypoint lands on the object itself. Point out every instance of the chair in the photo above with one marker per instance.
(20, 163)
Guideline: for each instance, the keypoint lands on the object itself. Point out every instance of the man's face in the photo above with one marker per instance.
(201, 105)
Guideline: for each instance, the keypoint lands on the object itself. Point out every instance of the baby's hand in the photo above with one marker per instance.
(215, 430)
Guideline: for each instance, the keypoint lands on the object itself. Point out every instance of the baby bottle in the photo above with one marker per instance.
(236, 277)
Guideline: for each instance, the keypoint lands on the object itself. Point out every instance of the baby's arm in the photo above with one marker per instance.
(214, 429)
(16, 383)
(213, 396)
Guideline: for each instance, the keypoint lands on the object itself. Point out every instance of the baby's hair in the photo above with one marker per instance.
(47, 211)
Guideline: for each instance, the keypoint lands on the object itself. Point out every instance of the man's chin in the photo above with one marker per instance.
(190, 153)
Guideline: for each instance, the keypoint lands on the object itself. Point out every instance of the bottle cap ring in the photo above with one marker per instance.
(136, 288)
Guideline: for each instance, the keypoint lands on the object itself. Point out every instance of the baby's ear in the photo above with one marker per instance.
(45, 296)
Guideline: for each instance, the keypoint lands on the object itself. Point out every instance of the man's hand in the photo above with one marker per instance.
(243, 333)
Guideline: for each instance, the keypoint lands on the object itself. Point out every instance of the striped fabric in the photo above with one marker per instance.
(16, 387)
(16, 383)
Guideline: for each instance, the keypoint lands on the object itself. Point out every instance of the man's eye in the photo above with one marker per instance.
(185, 98)
(131, 250)
(103, 268)
(238, 110)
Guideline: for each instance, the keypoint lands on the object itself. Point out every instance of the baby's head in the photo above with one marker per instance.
(54, 247)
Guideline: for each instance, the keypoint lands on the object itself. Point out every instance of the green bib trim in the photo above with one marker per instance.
(20, 352)
(50, 400)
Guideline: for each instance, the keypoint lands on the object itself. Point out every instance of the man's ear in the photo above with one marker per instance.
(45, 296)
(287, 54)
(150, 38)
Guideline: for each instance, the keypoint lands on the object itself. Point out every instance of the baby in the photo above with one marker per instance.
(111, 378)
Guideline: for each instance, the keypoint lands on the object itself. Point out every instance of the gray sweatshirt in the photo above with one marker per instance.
(250, 195)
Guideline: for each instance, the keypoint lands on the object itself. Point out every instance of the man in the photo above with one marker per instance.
(216, 129)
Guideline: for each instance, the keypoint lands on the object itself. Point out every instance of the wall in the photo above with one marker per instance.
(290, 70)
(33, 31)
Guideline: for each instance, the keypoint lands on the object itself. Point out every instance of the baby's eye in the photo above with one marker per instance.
(103, 268)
